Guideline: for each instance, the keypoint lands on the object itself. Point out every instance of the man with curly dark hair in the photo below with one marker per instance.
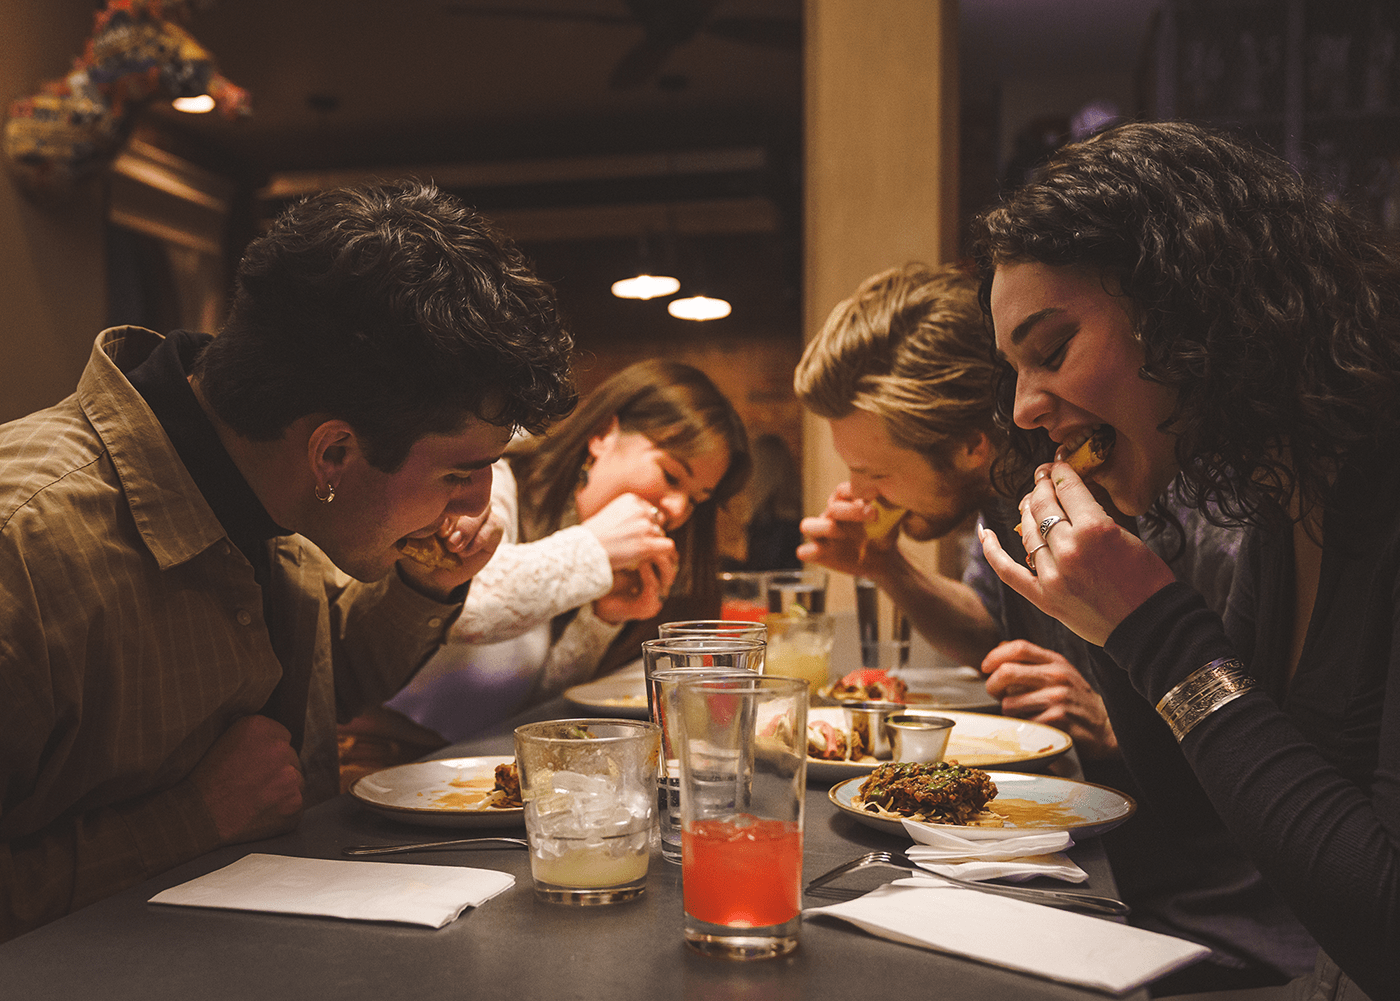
(203, 551)
(1241, 335)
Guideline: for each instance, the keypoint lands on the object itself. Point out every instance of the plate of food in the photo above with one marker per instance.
(978, 739)
(979, 805)
(452, 792)
(622, 693)
(920, 688)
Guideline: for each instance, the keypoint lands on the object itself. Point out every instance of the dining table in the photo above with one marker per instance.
(511, 946)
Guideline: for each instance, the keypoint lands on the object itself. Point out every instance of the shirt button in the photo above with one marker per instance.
(244, 617)
(434, 622)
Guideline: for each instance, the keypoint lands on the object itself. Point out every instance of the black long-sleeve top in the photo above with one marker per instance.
(1305, 774)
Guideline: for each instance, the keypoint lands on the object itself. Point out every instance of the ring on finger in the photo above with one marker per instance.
(1050, 523)
(657, 517)
(1030, 556)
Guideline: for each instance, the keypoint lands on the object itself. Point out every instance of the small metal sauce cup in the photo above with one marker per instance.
(866, 723)
(918, 737)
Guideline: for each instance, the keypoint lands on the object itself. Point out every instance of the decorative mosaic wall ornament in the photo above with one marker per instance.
(74, 126)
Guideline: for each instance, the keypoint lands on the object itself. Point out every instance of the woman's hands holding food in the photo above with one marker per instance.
(1086, 570)
(632, 532)
(637, 594)
(643, 558)
(838, 539)
(1034, 683)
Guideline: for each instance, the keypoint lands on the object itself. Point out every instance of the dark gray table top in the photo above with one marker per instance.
(512, 947)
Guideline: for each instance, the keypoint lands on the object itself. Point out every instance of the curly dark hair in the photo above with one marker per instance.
(395, 308)
(1271, 310)
(680, 410)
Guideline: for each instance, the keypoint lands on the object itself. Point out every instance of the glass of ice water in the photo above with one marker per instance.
(589, 788)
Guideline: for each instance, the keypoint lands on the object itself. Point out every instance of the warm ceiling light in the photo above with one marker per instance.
(645, 287)
(193, 105)
(698, 307)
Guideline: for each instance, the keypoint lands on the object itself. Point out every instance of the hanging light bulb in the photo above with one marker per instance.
(650, 281)
(645, 287)
(698, 307)
(194, 105)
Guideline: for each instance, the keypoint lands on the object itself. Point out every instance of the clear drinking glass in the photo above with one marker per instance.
(665, 662)
(743, 595)
(743, 756)
(806, 588)
(714, 628)
(589, 791)
(799, 646)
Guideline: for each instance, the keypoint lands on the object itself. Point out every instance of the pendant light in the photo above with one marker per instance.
(651, 280)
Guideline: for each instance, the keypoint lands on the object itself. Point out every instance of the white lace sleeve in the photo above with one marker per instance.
(528, 583)
(576, 656)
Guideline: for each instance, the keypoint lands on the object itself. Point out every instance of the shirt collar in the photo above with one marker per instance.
(162, 380)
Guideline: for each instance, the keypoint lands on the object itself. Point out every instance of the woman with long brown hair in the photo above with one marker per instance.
(609, 524)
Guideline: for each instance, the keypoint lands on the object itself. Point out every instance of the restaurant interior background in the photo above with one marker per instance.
(596, 141)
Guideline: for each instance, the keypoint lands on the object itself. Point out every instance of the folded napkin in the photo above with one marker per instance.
(429, 895)
(1016, 857)
(1042, 941)
(1016, 870)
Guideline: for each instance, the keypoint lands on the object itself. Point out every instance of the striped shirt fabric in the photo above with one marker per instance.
(132, 634)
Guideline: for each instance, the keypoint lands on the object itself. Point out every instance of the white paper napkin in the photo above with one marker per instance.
(429, 895)
(1017, 857)
(1042, 941)
(1016, 870)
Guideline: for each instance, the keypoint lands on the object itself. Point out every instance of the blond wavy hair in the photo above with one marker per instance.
(911, 346)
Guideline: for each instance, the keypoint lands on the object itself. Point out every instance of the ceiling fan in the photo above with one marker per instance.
(666, 25)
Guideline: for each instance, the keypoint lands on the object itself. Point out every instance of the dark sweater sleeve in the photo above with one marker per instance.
(1329, 848)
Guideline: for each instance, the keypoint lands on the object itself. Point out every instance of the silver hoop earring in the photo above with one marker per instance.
(329, 495)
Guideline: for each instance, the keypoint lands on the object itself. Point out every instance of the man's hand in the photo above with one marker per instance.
(837, 540)
(473, 540)
(251, 781)
(1034, 683)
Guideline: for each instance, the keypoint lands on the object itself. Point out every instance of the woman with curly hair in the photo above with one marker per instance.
(1212, 321)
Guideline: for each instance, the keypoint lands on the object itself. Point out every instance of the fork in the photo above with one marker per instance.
(425, 846)
(1051, 898)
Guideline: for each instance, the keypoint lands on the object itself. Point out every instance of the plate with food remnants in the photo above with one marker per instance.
(922, 688)
(979, 805)
(977, 739)
(622, 693)
(452, 792)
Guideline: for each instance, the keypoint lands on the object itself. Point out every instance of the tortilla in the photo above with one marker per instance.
(885, 523)
(431, 552)
(1094, 452)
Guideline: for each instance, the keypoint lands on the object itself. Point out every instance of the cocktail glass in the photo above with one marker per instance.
(589, 791)
(743, 595)
(743, 775)
(799, 646)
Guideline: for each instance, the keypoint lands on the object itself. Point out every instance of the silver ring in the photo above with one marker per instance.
(657, 517)
(1050, 523)
(1030, 556)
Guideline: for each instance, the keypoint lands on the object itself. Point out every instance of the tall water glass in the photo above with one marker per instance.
(664, 660)
(743, 757)
(714, 628)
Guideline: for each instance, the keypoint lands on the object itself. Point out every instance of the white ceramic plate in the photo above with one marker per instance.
(978, 739)
(940, 688)
(622, 693)
(438, 793)
(1035, 804)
